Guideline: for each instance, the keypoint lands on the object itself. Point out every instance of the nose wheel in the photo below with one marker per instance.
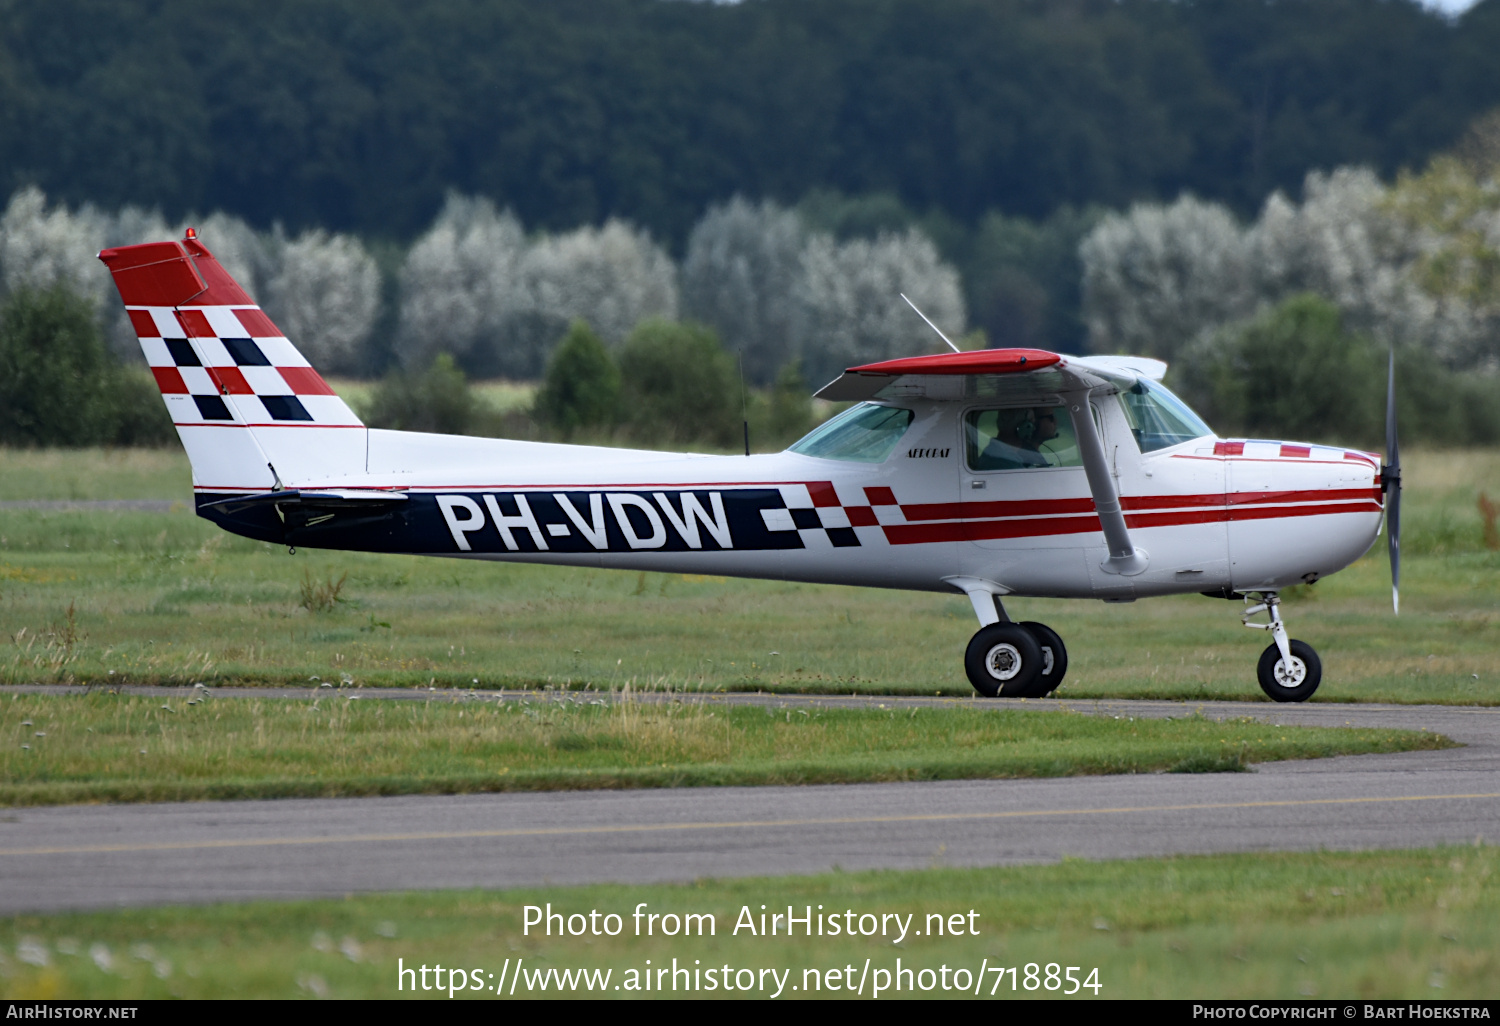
(1291, 680)
(1015, 660)
(1289, 670)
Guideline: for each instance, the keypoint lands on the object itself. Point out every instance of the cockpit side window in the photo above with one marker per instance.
(1158, 419)
(1018, 438)
(867, 433)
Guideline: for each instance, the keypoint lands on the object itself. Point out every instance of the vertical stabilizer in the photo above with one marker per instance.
(243, 399)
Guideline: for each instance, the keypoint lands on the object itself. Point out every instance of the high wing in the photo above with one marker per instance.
(1011, 374)
(1029, 376)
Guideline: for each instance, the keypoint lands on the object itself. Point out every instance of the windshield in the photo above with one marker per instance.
(866, 434)
(1158, 418)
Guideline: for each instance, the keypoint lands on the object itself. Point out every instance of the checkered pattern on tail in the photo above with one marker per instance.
(221, 364)
(230, 365)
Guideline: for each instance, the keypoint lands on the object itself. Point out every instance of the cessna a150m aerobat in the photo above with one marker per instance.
(995, 473)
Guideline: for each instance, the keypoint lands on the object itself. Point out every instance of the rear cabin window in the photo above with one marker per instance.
(867, 433)
(1158, 419)
(1020, 438)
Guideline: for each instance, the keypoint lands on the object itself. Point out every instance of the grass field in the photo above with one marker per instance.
(101, 597)
(168, 598)
(1410, 924)
(105, 747)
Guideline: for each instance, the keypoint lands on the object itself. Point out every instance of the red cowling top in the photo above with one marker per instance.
(979, 361)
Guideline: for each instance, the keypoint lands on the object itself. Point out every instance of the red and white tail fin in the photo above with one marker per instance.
(250, 410)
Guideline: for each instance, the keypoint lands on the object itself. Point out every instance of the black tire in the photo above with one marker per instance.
(1053, 652)
(1304, 679)
(1003, 660)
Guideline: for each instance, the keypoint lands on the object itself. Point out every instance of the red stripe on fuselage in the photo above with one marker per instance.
(1272, 512)
(1065, 507)
(986, 510)
(1040, 527)
(1309, 495)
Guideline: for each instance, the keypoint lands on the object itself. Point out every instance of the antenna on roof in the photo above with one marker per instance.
(744, 402)
(934, 327)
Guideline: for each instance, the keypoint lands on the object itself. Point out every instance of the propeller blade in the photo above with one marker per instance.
(1390, 476)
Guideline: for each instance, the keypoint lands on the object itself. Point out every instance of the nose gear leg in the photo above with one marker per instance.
(1270, 604)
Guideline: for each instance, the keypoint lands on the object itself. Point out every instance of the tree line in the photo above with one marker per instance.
(1275, 325)
(359, 116)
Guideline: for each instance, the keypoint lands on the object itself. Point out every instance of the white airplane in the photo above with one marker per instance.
(993, 473)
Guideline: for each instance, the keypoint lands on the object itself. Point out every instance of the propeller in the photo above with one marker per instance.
(1390, 478)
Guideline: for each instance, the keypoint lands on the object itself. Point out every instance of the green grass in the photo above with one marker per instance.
(108, 747)
(95, 474)
(1409, 924)
(168, 598)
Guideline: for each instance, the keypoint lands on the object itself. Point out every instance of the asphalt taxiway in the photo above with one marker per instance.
(125, 855)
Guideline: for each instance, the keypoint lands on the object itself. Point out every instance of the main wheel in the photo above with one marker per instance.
(1294, 683)
(1054, 659)
(1003, 659)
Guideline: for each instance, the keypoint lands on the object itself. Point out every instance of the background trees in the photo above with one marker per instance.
(59, 384)
(360, 117)
(1403, 265)
(397, 182)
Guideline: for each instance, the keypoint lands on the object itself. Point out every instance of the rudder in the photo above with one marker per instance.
(251, 411)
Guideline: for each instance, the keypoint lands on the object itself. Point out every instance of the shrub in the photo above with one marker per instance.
(678, 384)
(791, 413)
(59, 384)
(140, 416)
(1296, 372)
(582, 388)
(438, 399)
(1293, 372)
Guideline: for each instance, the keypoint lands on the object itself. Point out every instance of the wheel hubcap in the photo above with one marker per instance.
(1003, 661)
(1290, 677)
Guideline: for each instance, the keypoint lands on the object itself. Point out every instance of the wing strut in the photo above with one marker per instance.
(1124, 558)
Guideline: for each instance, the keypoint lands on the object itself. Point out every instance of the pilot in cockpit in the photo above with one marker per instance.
(1019, 436)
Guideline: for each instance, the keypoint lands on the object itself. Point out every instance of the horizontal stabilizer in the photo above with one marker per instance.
(334, 498)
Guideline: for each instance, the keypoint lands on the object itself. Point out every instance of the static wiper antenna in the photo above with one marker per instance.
(934, 327)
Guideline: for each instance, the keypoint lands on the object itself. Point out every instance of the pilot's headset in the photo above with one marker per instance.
(1026, 429)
